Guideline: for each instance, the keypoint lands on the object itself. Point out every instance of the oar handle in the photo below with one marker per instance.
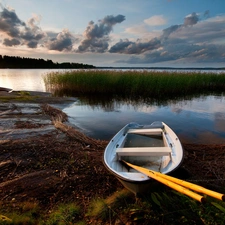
(192, 186)
(178, 188)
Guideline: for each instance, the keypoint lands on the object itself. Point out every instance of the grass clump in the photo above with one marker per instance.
(109, 209)
(26, 213)
(65, 214)
(171, 207)
(133, 83)
(160, 206)
(164, 207)
(18, 96)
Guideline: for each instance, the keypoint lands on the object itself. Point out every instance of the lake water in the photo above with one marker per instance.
(24, 79)
(198, 120)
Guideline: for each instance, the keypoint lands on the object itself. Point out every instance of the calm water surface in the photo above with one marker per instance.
(199, 120)
(24, 79)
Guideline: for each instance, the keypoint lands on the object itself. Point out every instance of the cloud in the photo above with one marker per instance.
(170, 30)
(157, 20)
(62, 42)
(128, 47)
(11, 42)
(182, 52)
(198, 38)
(209, 31)
(191, 19)
(193, 41)
(17, 32)
(10, 23)
(136, 30)
(206, 14)
(141, 32)
(188, 20)
(96, 35)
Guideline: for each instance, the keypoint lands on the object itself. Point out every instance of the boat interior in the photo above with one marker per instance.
(148, 148)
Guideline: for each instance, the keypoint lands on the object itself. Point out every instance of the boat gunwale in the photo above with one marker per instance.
(120, 177)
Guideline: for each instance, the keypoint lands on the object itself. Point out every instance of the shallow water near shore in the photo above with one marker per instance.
(199, 120)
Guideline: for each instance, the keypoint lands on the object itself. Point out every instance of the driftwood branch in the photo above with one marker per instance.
(76, 135)
(56, 114)
(58, 117)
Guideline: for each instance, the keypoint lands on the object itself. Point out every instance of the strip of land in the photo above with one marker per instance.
(45, 159)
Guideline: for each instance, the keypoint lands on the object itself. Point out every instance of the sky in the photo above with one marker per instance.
(118, 33)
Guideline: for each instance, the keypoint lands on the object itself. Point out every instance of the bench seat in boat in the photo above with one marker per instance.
(144, 151)
(146, 131)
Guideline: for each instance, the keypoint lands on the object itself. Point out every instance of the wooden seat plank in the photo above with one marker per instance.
(144, 151)
(146, 131)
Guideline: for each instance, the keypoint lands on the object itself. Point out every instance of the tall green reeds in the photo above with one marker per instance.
(133, 83)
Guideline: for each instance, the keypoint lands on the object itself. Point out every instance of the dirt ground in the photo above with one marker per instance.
(46, 160)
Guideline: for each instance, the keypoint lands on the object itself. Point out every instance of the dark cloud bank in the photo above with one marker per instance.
(18, 32)
(177, 42)
(184, 43)
(96, 35)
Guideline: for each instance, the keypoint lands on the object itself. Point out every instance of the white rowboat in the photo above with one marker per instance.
(154, 147)
(6, 89)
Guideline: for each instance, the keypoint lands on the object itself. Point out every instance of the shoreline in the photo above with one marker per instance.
(33, 96)
(44, 160)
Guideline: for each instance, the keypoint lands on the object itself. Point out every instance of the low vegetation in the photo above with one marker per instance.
(134, 84)
(75, 198)
(166, 207)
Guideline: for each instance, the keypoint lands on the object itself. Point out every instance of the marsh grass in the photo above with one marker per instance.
(166, 207)
(155, 207)
(133, 84)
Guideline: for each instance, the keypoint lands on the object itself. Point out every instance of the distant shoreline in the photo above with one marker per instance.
(163, 68)
(123, 68)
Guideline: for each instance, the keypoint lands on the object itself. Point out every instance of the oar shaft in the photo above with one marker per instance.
(177, 187)
(168, 183)
(193, 187)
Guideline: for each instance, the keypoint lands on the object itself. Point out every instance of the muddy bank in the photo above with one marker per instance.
(46, 160)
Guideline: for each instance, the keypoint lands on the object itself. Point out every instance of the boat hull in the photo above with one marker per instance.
(150, 152)
(136, 187)
(5, 89)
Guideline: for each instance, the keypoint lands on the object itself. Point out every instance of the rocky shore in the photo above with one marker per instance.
(44, 159)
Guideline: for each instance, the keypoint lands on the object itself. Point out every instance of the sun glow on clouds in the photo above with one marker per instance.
(157, 20)
(149, 39)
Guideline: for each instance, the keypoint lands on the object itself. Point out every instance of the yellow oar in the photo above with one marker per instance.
(191, 186)
(175, 186)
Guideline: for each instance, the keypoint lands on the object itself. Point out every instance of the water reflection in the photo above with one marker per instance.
(24, 79)
(112, 103)
(199, 120)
